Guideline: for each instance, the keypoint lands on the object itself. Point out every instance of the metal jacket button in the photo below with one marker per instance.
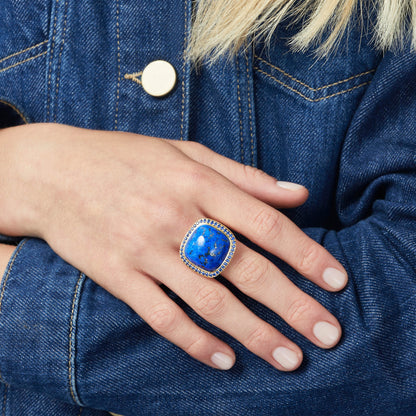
(158, 78)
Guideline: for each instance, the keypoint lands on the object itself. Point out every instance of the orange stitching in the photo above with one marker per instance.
(50, 64)
(304, 96)
(249, 114)
(239, 110)
(15, 109)
(71, 327)
(118, 62)
(5, 400)
(23, 51)
(22, 62)
(8, 273)
(60, 55)
(134, 77)
(306, 85)
(183, 68)
(80, 411)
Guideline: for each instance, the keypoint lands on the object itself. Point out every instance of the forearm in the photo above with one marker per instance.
(23, 174)
(6, 252)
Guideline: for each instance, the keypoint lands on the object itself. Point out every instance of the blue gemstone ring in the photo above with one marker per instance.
(207, 247)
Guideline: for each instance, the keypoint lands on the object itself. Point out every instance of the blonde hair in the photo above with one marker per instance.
(223, 27)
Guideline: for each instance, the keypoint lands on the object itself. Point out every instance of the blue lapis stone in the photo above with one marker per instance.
(207, 247)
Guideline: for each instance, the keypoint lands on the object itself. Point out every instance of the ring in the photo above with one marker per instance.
(207, 247)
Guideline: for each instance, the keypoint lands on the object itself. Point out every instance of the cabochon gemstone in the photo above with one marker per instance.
(207, 247)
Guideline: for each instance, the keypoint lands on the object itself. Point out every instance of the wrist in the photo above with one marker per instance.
(21, 180)
(6, 252)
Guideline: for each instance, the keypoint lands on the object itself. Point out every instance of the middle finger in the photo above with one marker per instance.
(260, 279)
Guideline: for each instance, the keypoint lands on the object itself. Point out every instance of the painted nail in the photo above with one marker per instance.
(335, 278)
(286, 357)
(327, 333)
(289, 185)
(223, 361)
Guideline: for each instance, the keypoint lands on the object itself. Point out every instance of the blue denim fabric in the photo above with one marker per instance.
(344, 127)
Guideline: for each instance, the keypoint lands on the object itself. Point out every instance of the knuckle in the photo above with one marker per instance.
(198, 175)
(252, 173)
(197, 345)
(268, 224)
(162, 318)
(210, 301)
(299, 310)
(251, 272)
(308, 258)
(256, 340)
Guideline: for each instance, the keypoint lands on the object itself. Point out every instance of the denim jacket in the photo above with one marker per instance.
(344, 127)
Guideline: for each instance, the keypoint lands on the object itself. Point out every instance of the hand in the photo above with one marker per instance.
(117, 205)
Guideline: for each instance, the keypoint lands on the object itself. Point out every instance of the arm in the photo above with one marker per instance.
(376, 200)
(6, 252)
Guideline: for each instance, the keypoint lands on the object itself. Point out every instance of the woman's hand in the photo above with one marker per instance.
(117, 205)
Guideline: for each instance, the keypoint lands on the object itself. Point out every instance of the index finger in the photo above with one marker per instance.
(273, 231)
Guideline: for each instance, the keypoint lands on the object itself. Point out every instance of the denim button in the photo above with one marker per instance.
(159, 78)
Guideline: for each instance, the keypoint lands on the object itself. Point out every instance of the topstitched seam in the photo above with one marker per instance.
(71, 329)
(314, 100)
(22, 62)
(23, 51)
(183, 68)
(9, 271)
(15, 109)
(308, 86)
(118, 63)
(58, 71)
(250, 113)
(5, 282)
(50, 64)
(240, 115)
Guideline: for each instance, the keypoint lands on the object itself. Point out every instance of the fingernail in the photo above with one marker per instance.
(223, 361)
(286, 357)
(327, 333)
(289, 185)
(335, 278)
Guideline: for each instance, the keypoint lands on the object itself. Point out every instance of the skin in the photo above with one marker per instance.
(107, 201)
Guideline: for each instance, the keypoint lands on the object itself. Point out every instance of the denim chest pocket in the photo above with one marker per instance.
(304, 107)
(24, 33)
(345, 71)
(313, 85)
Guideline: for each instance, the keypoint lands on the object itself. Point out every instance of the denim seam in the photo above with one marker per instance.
(80, 411)
(58, 71)
(118, 63)
(183, 68)
(134, 77)
(22, 51)
(6, 390)
(240, 114)
(10, 267)
(250, 115)
(71, 340)
(15, 109)
(306, 85)
(48, 103)
(313, 100)
(6, 278)
(22, 62)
